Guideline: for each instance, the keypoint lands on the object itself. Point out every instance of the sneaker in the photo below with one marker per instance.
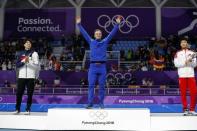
(186, 112)
(27, 112)
(192, 113)
(89, 106)
(16, 112)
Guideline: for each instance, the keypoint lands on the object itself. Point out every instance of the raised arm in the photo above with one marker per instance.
(114, 30)
(83, 31)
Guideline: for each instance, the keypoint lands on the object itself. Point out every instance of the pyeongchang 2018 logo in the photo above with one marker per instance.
(98, 118)
(127, 24)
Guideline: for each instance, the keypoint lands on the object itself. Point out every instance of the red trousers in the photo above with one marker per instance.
(189, 83)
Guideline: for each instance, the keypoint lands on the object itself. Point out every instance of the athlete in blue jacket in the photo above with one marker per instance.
(98, 49)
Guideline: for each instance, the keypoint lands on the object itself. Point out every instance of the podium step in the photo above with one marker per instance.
(99, 119)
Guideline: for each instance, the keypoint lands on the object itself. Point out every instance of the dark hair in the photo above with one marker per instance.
(184, 39)
(28, 40)
(97, 30)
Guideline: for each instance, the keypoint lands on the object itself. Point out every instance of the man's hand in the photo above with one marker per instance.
(118, 19)
(78, 19)
(27, 59)
(188, 61)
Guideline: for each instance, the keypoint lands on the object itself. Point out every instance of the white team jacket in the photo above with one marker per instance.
(30, 69)
(185, 71)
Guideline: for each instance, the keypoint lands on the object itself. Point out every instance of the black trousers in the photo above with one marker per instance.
(21, 85)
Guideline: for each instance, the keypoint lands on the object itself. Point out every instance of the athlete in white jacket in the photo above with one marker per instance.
(28, 67)
(185, 61)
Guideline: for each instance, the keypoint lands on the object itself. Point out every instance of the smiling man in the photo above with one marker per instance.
(97, 69)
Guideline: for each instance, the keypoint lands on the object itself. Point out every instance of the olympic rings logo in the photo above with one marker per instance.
(110, 75)
(131, 22)
(127, 76)
(98, 115)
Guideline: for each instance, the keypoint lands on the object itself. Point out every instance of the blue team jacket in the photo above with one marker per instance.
(98, 48)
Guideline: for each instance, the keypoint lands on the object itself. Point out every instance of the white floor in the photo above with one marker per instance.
(34, 121)
(39, 120)
(172, 121)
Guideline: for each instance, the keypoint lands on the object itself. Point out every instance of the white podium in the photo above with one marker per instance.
(23, 122)
(98, 119)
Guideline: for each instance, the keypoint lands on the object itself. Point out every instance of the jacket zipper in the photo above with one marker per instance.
(26, 70)
(185, 56)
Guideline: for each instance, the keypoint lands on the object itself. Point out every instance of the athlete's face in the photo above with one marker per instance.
(98, 34)
(27, 45)
(184, 44)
